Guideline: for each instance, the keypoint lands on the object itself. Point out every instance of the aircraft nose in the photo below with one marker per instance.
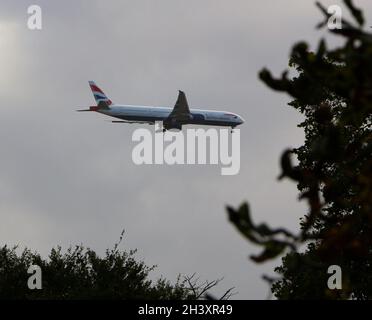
(241, 120)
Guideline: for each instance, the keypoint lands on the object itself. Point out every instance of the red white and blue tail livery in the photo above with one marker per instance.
(99, 96)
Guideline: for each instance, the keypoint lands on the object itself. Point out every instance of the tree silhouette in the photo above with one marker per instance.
(333, 90)
(80, 274)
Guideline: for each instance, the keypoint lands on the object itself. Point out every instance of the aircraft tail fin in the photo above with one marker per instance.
(103, 102)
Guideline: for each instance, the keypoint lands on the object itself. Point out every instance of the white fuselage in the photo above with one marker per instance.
(152, 114)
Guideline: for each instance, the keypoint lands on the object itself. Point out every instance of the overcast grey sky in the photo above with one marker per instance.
(68, 178)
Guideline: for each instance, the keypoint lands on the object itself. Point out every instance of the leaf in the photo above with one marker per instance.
(272, 250)
(357, 13)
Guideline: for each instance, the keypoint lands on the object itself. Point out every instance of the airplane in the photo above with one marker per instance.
(172, 118)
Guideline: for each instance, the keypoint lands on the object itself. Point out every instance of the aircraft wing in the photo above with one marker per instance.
(130, 121)
(181, 111)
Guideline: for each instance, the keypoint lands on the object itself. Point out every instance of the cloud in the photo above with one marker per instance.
(68, 177)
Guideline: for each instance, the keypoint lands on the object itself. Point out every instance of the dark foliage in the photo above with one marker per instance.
(333, 90)
(80, 274)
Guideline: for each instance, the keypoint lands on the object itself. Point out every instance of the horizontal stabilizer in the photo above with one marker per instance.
(92, 108)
